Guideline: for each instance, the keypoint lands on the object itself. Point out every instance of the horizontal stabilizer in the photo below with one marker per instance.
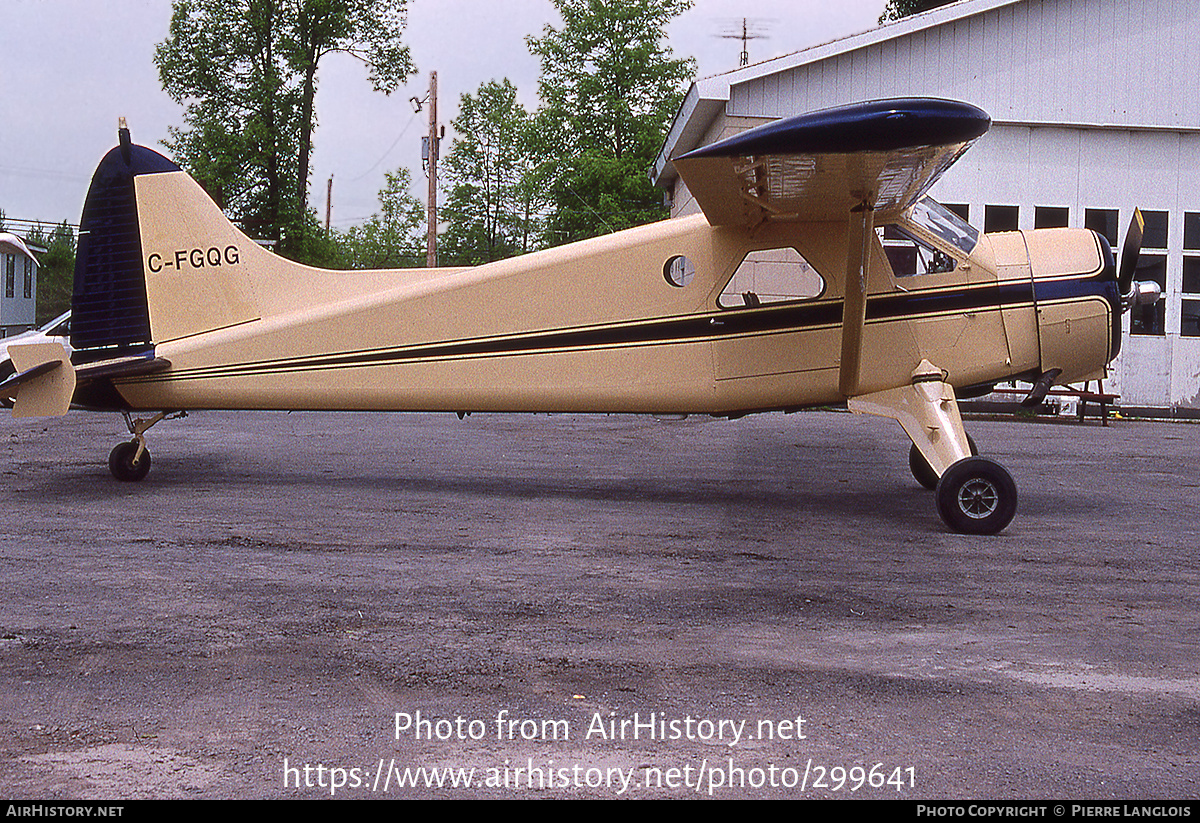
(8, 389)
(45, 379)
(883, 155)
(133, 366)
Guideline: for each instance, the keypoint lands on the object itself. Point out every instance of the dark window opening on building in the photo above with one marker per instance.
(1051, 217)
(1155, 235)
(1191, 275)
(1152, 267)
(961, 209)
(28, 278)
(1150, 319)
(1105, 222)
(1191, 231)
(1189, 324)
(1000, 218)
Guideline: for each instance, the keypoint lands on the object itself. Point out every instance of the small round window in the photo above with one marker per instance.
(679, 271)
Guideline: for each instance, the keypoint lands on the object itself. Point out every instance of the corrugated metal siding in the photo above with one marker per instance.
(1041, 68)
(1051, 61)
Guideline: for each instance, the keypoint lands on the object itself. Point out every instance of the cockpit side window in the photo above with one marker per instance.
(928, 239)
(910, 256)
(933, 218)
(771, 276)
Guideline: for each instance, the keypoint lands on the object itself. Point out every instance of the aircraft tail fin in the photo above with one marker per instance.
(157, 260)
(109, 312)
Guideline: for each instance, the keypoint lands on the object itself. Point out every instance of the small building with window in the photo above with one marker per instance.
(1094, 114)
(18, 286)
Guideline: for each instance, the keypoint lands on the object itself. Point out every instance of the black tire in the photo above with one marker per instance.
(120, 462)
(977, 496)
(922, 471)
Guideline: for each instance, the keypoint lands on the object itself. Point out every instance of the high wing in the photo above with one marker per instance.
(882, 155)
(864, 164)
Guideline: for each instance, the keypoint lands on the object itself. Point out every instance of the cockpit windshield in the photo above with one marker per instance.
(939, 221)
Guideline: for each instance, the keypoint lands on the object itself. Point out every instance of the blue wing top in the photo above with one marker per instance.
(818, 166)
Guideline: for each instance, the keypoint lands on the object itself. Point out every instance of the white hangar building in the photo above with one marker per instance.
(18, 286)
(1095, 108)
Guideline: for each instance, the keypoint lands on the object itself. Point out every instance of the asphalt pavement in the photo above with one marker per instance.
(386, 605)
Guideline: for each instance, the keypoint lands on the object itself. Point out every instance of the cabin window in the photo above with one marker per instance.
(10, 275)
(945, 224)
(909, 256)
(1051, 217)
(679, 271)
(771, 276)
(28, 278)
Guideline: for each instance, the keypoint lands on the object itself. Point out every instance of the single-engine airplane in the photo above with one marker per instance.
(782, 295)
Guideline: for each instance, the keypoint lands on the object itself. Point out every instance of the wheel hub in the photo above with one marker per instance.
(978, 498)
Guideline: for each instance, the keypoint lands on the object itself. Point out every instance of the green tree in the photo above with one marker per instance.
(56, 271)
(394, 237)
(223, 60)
(609, 87)
(897, 9)
(491, 208)
(368, 29)
(246, 71)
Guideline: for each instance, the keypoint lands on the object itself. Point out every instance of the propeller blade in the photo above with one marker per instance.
(1130, 252)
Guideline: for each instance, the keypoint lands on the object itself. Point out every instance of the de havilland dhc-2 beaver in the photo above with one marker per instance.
(781, 295)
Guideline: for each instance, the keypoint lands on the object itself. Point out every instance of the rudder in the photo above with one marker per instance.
(110, 316)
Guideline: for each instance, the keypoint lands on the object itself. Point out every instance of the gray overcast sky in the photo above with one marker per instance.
(69, 68)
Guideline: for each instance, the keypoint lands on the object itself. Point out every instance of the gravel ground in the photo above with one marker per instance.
(307, 605)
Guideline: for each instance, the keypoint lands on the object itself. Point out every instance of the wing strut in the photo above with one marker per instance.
(854, 311)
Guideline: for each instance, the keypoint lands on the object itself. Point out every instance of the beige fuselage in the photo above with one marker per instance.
(595, 326)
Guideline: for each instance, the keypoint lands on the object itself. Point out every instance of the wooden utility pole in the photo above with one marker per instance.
(431, 211)
(328, 204)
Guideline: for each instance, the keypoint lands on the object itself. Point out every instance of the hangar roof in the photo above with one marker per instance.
(1085, 63)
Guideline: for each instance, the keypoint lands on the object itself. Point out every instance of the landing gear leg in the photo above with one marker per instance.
(974, 495)
(130, 461)
(922, 472)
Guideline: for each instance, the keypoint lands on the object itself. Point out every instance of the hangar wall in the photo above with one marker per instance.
(1093, 108)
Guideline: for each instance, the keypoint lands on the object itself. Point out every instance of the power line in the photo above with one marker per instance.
(21, 224)
(383, 156)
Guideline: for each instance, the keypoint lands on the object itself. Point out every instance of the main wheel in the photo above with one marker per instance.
(977, 496)
(922, 471)
(120, 462)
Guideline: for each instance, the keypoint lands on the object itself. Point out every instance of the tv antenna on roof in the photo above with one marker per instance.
(751, 29)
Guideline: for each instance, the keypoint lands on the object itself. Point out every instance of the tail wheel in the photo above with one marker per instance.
(122, 465)
(977, 496)
(922, 471)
